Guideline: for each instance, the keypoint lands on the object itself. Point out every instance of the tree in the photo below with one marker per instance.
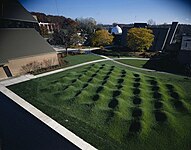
(66, 37)
(140, 39)
(151, 22)
(102, 38)
(86, 25)
(43, 31)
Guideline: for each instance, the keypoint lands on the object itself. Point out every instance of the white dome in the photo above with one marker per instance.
(116, 30)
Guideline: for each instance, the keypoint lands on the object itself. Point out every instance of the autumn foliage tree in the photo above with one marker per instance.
(140, 39)
(102, 38)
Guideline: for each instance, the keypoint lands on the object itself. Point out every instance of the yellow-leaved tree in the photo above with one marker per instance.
(140, 39)
(102, 38)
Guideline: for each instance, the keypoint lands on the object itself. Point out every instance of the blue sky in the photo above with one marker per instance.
(120, 11)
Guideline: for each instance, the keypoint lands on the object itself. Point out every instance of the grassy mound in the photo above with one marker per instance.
(113, 107)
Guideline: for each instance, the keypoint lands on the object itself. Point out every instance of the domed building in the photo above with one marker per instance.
(116, 30)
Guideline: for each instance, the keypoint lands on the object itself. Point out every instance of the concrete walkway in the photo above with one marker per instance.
(143, 69)
(130, 58)
(20, 130)
(62, 49)
(47, 120)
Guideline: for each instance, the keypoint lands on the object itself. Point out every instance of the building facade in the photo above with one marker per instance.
(21, 45)
(184, 55)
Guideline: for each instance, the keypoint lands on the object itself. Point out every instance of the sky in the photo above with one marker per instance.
(118, 11)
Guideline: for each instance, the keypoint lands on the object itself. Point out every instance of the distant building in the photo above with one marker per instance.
(163, 36)
(14, 15)
(20, 43)
(116, 30)
(184, 55)
(51, 27)
(140, 25)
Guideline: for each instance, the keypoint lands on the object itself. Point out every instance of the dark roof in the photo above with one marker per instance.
(140, 25)
(13, 10)
(21, 42)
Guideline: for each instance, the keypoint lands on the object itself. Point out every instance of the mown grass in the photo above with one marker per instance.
(78, 59)
(114, 107)
(136, 63)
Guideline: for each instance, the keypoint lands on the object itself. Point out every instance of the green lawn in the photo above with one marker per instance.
(114, 107)
(78, 59)
(136, 63)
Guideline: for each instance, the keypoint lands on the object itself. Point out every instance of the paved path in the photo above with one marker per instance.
(46, 120)
(143, 69)
(20, 130)
(61, 49)
(130, 58)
